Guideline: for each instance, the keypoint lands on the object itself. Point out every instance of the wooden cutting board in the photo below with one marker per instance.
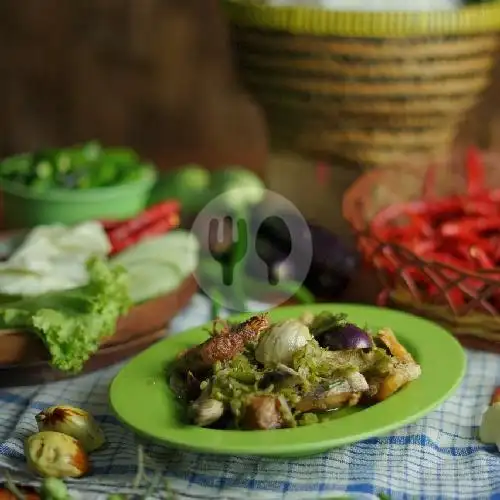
(25, 361)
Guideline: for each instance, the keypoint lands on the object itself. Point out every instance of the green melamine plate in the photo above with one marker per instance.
(142, 400)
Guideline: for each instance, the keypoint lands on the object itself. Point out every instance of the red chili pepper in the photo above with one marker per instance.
(445, 258)
(467, 226)
(481, 257)
(144, 219)
(484, 206)
(460, 250)
(493, 246)
(155, 228)
(454, 295)
(427, 209)
(400, 234)
(453, 231)
(421, 248)
(421, 224)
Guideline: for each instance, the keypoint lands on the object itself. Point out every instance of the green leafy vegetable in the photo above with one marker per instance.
(78, 167)
(72, 323)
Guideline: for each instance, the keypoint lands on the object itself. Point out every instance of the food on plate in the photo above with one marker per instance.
(338, 335)
(261, 375)
(53, 258)
(54, 454)
(279, 343)
(73, 422)
(78, 167)
(71, 323)
(223, 345)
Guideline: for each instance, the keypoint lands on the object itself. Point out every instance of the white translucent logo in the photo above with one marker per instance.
(262, 254)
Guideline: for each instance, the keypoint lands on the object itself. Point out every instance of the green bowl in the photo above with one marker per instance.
(23, 207)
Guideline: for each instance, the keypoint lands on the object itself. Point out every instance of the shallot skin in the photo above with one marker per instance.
(74, 422)
(54, 454)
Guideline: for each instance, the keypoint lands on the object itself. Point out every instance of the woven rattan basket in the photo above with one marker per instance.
(366, 87)
(477, 322)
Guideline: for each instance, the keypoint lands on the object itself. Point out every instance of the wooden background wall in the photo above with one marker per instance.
(155, 74)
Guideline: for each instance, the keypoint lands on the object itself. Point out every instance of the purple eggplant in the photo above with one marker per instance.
(346, 337)
(333, 263)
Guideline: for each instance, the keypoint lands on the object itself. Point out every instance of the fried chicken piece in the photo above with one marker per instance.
(387, 337)
(400, 375)
(404, 370)
(224, 345)
(262, 413)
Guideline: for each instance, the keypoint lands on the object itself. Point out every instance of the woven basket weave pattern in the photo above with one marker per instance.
(368, 100)
(367, 87)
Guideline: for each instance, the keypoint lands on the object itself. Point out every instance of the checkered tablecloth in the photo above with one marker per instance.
(437, 457)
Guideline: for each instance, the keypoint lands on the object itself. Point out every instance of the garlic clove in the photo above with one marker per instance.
(206, 411)
(54, 454)
(74, 422)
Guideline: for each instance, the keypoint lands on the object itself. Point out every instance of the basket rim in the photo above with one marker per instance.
(315, 21)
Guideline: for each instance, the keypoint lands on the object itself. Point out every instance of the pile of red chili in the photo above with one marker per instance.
(460, 231)
(157, 219)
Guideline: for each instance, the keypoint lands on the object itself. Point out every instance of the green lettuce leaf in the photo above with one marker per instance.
(72, 323)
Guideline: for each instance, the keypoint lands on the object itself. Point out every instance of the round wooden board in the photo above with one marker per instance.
(24, 359)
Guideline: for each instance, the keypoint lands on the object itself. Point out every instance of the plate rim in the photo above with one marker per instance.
(206, 445)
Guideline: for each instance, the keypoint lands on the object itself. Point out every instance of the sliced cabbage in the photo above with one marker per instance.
(160, 264)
